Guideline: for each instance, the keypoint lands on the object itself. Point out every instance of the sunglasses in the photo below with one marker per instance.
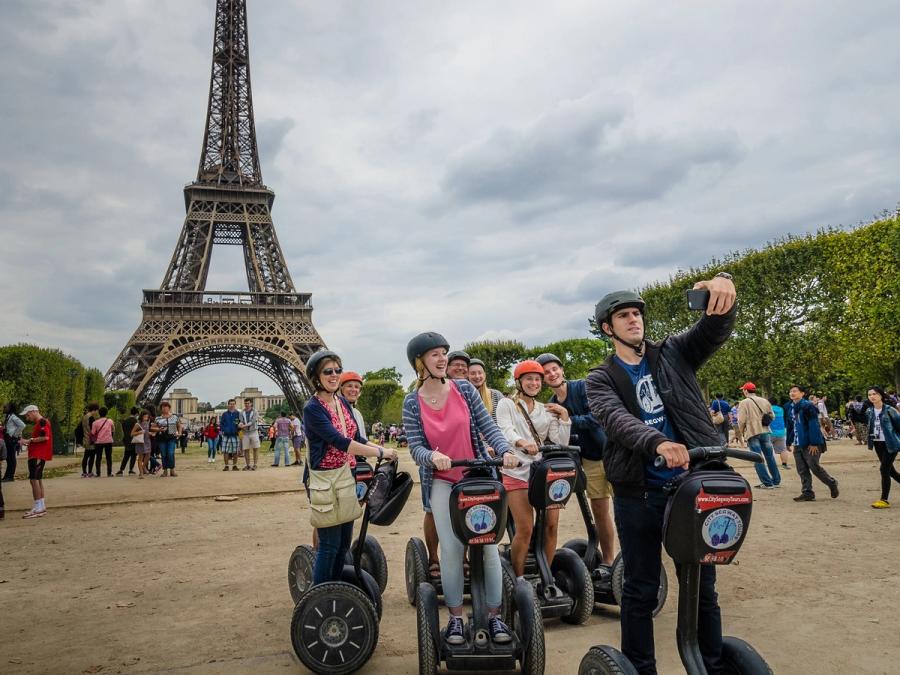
(332, 371)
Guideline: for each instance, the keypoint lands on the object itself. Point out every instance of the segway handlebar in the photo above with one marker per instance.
(477, 462)
(572, 449)
(713, 452)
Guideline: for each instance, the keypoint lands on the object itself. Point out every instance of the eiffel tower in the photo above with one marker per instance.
(186, 327)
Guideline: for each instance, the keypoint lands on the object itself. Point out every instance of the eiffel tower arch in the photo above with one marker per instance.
(184, 326)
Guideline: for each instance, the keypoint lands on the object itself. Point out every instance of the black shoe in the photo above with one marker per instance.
(454, 634)
(834, 490)
(805, 498)
(499, 631)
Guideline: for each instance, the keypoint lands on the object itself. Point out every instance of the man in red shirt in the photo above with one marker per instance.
(40, 451)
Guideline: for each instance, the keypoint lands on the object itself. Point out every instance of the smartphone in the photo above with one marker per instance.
(698, 299)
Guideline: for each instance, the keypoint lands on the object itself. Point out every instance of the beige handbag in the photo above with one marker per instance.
(332, 492)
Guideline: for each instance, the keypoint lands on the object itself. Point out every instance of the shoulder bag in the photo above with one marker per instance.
(332, 492)
(767, 417)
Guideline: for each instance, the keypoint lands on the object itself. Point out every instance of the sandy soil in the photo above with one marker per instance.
(137, 576)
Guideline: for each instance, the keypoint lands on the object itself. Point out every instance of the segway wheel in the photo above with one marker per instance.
(529, 628)
(426, 627)
(300, 570)
(416, 567)
(572, 576)
(334, 628)
(373, 560)
(580, 547)
(618, 582)
(740, 658)
(508, 577)
(369, 586)
(605, 660)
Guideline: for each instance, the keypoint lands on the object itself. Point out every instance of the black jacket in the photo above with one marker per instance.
(673, 363)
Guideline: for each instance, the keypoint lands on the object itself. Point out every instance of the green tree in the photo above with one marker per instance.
(375, 396)
(274, 411)
(93, 386)
(578, 355)
(390, 373)
(499, 357)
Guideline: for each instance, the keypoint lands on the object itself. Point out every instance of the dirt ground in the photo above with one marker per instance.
(131, 576)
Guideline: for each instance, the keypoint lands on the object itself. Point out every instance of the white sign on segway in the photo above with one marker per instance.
(722, 528)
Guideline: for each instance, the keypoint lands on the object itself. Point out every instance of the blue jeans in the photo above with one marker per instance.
(167, 450)
(762, 444)
(639, 522)
(334, 542)
(211, 447)
(282, 444)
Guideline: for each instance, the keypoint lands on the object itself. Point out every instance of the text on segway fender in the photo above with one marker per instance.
(468, 500)
(717, 558)
(555, 475)
(484, 539)
(705, 501)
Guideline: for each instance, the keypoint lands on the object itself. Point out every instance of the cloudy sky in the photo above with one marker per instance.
(481, 169)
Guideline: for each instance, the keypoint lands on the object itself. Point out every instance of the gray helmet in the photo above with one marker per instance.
(459, 354)
(547, 357)
(614, 301)
(422, 343)
(477, 362)
(313, 362)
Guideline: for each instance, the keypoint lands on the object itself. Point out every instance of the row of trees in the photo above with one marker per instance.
(821, 309)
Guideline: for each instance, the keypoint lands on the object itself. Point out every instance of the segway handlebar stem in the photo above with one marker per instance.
(713, 452)
(477, 463)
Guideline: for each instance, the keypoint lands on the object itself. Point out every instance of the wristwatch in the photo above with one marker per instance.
(725, 275)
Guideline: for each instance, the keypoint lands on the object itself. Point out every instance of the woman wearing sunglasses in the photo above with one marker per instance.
(334, 437)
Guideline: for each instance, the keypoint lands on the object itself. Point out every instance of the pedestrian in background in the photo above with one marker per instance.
(102, 440)
(141, 440)
(40, 451)
(211, 433)
(778, 429)
(282, 430)
(753, 414)
(87, 461)
(168, 430)
(12, 437)
(129, 456)
(721, 412)
(297, 438)
(809, 444)
(884, 439)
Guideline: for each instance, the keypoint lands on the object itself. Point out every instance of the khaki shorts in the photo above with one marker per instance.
(597, 485)
(249, 441)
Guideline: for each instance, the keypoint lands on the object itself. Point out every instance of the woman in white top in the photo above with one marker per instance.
(527, 424)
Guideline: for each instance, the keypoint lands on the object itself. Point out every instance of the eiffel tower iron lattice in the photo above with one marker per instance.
(184, 326)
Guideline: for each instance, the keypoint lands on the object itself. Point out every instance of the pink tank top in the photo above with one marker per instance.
(447, 431)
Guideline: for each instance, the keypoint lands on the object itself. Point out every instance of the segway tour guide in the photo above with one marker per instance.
(706, 522)
(478, 514)
(563, 588)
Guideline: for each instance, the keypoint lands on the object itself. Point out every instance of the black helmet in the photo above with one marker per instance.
(459, 354)
(313, 362)
(616, 300)
(547, 357)
(477, 362)
(422, 343)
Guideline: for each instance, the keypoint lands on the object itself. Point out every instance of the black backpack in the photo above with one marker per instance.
(79, 434)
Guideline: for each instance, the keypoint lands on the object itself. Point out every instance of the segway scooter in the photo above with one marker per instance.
(563, 588)
(300, 565)
(478, 514)
(334, 626)
(706, 521)
(607, 580)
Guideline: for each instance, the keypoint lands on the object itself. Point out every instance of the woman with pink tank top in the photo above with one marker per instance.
(444, 420)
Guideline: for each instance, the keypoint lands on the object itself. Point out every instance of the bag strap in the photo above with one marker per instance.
(534, 433)
(341, 418)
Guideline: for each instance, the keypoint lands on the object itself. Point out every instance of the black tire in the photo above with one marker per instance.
(426, 621)
(300, 570)
(373, 560)
(324, 638)
(618, 581)
(740, 658)
(573, 577)
(580, 547)
(529, 628)
(605, 660)
(368, 585)
(416, 567)
(508, 577)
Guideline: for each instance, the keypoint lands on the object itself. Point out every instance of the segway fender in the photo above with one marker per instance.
(366, 583)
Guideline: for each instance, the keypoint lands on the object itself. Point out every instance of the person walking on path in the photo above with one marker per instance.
(755, 414)
(587, 435)
(211, 434)
(809, 444)
(720, 406)
(333, 440)
(249, 425)
(102, 439)
(141, 439)
(648, 401)
(87, 461)
(297, 438)
(884, 439)
(282, 427)
(443, 419)
(228, 427)
(168, 430)
(778, 429)
(130, 455)
(184, 438)
(858, 417)
(12, 436)
(40, 451)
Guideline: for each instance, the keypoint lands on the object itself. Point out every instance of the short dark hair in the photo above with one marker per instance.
(248, 400)
(92, 406)
(801, 387)
(135, 410)
(165, 404)
(773, 400)
(859, 398)
(103, 411)
(720, 395)
(231, 400)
